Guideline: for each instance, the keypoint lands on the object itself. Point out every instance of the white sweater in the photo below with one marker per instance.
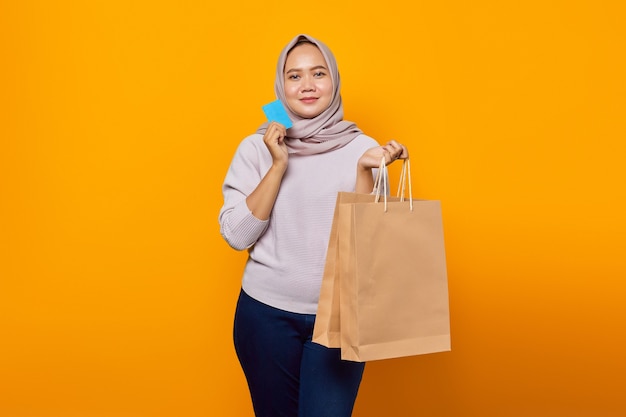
(287, 253)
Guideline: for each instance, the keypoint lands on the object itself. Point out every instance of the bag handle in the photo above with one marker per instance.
(381, 182)
(404, 174)
(382, 179)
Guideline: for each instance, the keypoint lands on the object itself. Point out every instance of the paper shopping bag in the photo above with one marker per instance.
(393, 279)
(327, 323)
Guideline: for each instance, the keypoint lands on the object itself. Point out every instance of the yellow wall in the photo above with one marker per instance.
(117, 123)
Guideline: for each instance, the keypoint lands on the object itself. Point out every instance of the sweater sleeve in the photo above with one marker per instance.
(238, 226)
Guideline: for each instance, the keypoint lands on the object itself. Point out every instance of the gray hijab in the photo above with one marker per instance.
(328, 130)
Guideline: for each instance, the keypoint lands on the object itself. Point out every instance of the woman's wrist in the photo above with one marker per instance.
(364, 179)
(278, 168)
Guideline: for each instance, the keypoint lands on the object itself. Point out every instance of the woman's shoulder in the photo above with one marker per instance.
(253, 139)
(251, 148)
(251, 143)
(365, 140)
(365, 137)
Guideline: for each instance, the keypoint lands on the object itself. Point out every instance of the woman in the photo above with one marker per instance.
(279, 197)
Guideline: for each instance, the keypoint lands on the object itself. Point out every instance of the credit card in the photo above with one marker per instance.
(275, 112)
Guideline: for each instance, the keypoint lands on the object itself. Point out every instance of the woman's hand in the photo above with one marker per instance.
(274, 139)
(391, 151)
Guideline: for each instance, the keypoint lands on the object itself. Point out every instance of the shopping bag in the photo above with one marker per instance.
(327, 330)
(327, 323)
(391, 268)
(393, 278)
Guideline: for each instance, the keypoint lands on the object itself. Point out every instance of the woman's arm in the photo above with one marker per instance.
(248, 198)
(261, 200)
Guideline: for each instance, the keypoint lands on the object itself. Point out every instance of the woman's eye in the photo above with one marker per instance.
(319, 74)
(294, 77)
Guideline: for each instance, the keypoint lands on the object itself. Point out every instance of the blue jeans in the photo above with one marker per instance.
(289, 375)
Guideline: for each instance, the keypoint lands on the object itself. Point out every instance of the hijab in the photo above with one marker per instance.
(325, 132)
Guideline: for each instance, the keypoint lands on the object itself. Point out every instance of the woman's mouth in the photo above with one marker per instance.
(308, 100)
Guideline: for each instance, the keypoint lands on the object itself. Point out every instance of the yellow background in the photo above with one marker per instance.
(118, 120)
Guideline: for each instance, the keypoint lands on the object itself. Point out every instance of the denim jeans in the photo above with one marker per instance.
(289, 375)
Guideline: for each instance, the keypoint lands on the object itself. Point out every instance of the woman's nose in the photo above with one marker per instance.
(308, 84)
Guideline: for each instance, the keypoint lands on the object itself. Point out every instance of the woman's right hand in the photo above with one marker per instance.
(274, 139)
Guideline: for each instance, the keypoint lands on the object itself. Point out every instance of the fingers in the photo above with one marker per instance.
(405, 153)
(274, 134)
(394, 150)
(274, 139)
(389, 158)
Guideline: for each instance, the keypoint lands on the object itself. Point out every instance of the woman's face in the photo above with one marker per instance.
(308, 85)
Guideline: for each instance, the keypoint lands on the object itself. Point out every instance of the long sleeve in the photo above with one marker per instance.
(238, 226)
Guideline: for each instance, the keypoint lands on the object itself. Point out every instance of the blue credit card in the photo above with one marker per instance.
(275, 112)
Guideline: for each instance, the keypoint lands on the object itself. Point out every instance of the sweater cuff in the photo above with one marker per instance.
(243, 229)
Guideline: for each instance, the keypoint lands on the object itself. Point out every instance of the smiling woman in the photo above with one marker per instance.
(273, 173)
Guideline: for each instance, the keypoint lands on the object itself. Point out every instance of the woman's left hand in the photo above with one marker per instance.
(391, 151)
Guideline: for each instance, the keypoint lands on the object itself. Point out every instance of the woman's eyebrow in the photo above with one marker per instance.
(310, 69)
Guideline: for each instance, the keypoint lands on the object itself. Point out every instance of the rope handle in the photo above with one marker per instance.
(405, 176)
(381, 182)
(382, 179)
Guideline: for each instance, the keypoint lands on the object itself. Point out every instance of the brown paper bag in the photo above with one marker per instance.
(393, 280)
(327, 324)
(384, 291)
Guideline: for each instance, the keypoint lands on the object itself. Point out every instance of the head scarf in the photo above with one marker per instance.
(326, 131)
